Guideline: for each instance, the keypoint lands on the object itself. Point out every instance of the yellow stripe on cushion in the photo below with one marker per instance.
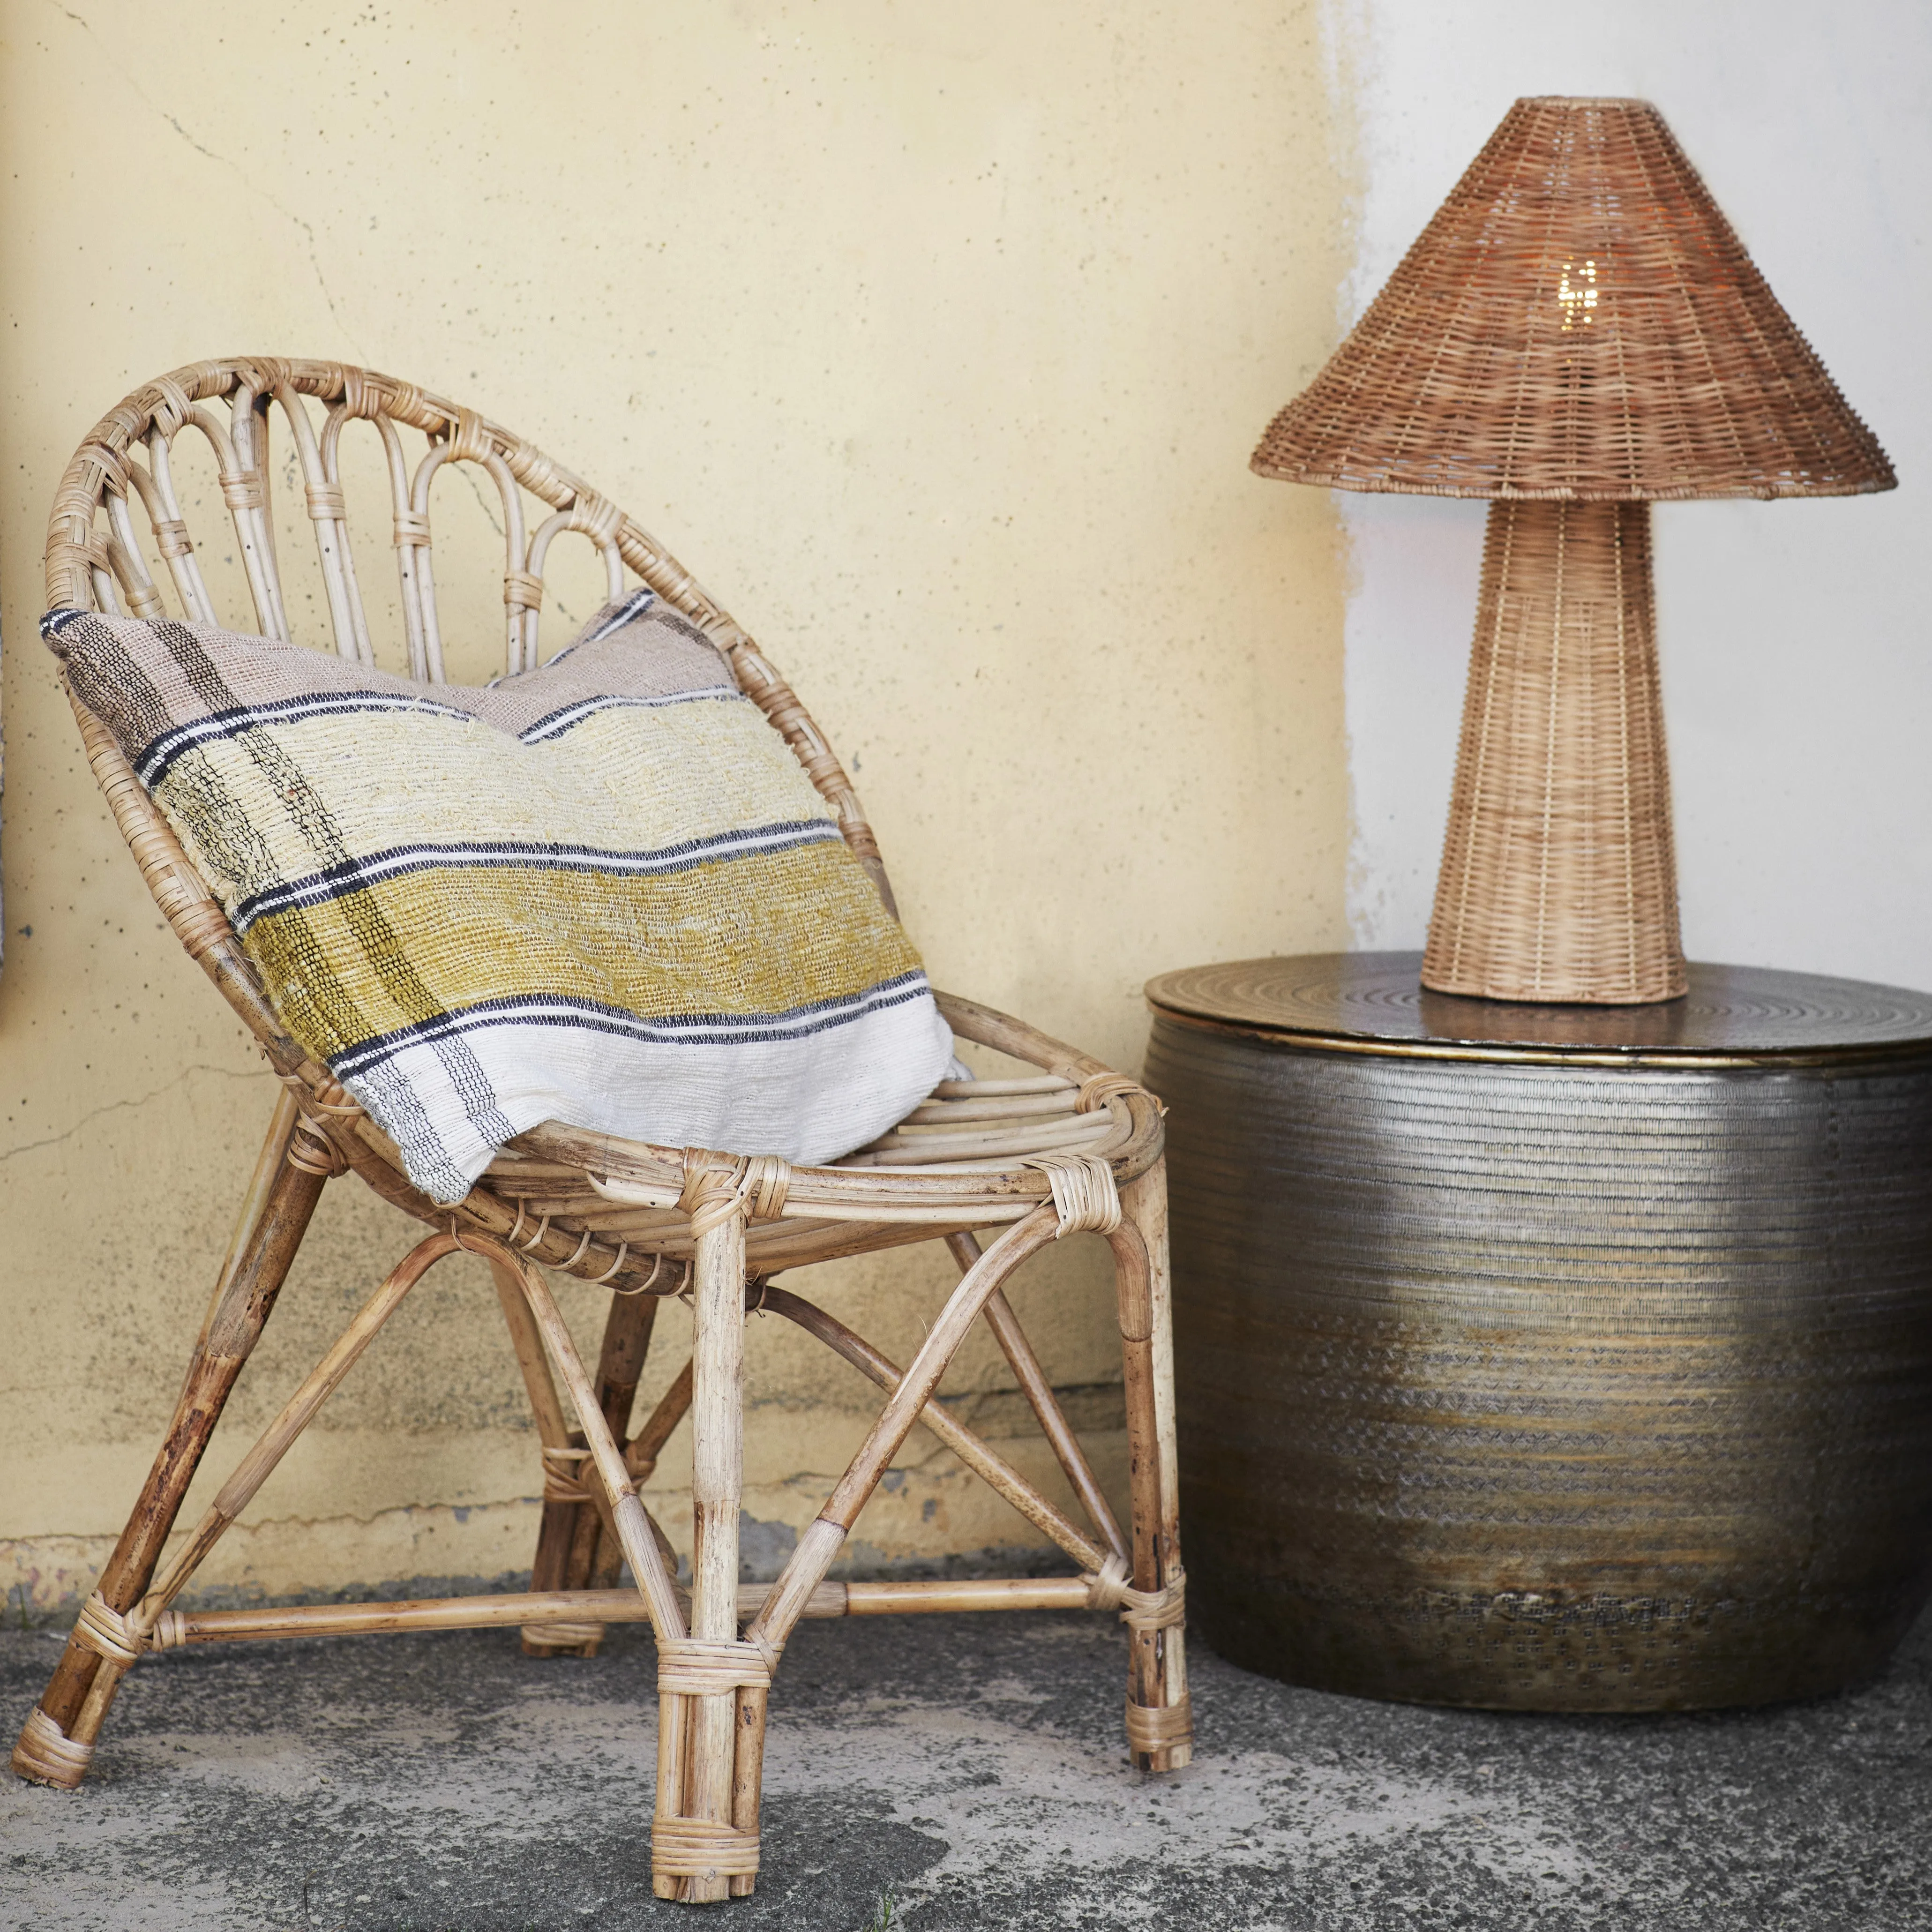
(650, 945)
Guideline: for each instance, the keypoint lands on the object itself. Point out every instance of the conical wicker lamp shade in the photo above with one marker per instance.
(1577, 332)
(1578, 321)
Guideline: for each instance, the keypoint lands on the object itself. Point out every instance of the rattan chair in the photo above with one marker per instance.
(1075, 1146)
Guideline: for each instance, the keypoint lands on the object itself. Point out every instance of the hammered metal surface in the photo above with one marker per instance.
(1748, 1011)
(1552, 1387)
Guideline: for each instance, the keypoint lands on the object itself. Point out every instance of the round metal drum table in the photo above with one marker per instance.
(1550, 1358)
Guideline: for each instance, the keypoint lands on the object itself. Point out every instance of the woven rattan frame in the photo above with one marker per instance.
(1071, 1147)
(1578, 321)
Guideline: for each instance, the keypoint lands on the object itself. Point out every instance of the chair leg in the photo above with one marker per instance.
(557, 1531)
(715, 1778)
(1159, 1720)
(57, 1741)
(641, 1459)
(576, 1549)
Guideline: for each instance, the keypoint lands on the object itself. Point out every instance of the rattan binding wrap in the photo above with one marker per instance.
(1578, 321)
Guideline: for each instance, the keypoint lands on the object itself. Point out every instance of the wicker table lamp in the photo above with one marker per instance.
(1577, 333)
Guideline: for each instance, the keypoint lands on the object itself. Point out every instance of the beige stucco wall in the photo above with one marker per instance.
(935, 340)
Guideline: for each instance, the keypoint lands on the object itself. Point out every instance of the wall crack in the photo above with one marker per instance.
(234, 168)
(119, 1106)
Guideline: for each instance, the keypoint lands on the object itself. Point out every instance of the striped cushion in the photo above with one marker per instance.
(603, 892)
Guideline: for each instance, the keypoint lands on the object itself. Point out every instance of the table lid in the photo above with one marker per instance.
(1740, 1012)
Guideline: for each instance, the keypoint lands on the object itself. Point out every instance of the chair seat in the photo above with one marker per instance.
(984, 1148)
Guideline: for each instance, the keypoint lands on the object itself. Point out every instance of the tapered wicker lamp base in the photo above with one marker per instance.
(1558, 880)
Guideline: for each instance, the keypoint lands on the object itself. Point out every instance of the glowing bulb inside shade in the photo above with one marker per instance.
(1577, 298)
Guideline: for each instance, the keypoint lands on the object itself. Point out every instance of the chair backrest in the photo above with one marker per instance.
(96, 558)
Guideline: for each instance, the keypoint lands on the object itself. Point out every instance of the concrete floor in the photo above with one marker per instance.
(973, 1769)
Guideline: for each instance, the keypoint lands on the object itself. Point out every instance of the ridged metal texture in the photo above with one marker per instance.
(1589, 1372)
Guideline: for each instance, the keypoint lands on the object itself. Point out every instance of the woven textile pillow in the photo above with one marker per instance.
(602, 892)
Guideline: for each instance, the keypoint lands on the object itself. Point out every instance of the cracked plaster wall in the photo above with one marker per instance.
(935, 341)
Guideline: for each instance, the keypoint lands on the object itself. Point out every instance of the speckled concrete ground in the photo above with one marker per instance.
(973, 1769)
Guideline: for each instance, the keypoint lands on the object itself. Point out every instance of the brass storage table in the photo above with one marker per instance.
(1555, 1358)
